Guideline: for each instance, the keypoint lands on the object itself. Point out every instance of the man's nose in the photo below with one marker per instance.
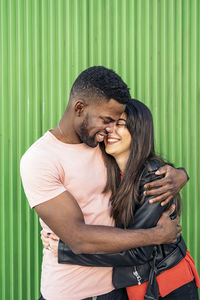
(110, 127)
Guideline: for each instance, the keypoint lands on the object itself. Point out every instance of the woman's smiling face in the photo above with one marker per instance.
(118, 142)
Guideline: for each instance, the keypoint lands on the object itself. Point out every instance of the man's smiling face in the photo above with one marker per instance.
(99, 121)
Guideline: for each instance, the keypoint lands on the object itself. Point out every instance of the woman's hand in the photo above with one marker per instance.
(50, 241)
(166, 188)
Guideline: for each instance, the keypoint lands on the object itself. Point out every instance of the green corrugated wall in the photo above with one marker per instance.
(44, 44)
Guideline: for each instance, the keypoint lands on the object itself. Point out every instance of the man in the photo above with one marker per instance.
(63, 174)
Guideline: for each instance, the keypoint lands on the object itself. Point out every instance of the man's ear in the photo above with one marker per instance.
(79, 107)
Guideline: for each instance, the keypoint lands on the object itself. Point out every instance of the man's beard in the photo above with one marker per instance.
(84, 135)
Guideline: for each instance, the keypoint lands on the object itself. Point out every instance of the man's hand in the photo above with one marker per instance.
(170, 229)
(164, 189)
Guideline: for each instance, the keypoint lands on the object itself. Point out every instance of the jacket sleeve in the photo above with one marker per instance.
(146, 216)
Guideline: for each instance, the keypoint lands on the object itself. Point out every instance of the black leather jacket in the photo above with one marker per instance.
(135, 266)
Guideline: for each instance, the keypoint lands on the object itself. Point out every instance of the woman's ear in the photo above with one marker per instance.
(80, 107)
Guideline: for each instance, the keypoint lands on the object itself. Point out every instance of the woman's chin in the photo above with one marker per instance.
(110, 151)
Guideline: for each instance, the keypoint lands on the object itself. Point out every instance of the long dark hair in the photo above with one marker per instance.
(140, 125)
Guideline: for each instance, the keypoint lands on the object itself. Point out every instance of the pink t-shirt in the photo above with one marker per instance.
(48, 168)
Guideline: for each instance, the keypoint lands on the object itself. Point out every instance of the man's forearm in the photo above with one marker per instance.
(104, 239)
(63, 215)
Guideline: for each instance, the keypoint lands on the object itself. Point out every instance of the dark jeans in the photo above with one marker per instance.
(188, 291)
(114, 295)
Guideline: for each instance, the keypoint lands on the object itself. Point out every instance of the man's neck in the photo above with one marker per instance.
(64, 131)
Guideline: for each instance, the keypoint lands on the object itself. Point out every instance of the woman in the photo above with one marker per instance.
(157, 272)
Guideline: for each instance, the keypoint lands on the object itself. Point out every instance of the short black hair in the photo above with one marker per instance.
(102, 82)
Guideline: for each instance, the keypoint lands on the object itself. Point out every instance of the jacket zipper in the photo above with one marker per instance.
(137, 275)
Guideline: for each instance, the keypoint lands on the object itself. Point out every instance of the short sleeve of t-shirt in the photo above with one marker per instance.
(40, 178)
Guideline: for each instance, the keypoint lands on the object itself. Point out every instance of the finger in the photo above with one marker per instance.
(160, 198)
(45, 239)
(158, 183)
(179, 229)
(54, 246)
(54, 237)
(177, 219)
(162, 170)
(165, 202)
(45, 244)
(53, 243)
(171, 210)
(43, 233)
(157, 192)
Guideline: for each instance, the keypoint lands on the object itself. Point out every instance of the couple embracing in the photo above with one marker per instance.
(108, 205)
